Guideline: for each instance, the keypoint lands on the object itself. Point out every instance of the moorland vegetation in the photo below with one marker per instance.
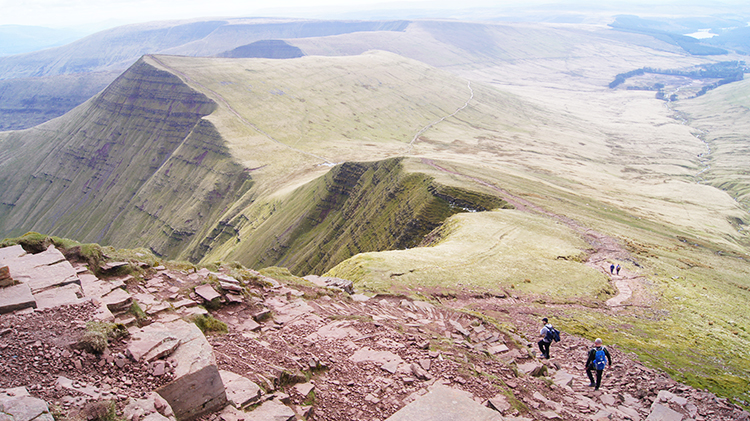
(458, 158)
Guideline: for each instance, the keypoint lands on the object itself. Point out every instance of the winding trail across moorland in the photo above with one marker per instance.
(427, 127)
(604, 249)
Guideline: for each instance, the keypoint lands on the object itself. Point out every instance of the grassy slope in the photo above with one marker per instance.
(613, 160)
(620, 144)
(616, 161)
(136, 166)
(722, 119)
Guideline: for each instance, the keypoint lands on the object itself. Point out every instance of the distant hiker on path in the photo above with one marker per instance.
(598, 359)
(617, 269)
(612, 269)
(548, 334)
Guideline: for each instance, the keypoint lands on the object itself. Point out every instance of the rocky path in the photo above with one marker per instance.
(311, 351)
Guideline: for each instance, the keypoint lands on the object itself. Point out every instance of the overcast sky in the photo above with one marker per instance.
(101, 14)
(69, 13)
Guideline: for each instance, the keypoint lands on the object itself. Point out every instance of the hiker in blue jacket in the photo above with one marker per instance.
(598, 359)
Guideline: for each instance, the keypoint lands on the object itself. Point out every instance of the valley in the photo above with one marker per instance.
(435, 160)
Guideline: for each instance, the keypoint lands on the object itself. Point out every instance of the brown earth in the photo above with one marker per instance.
(365, 360)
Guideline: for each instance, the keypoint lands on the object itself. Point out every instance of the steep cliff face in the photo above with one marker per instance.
(355, 208)
(135, 165)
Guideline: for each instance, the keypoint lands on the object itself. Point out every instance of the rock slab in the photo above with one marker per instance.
(443, 403)
(17, 405)
(272, 410)
(240, 390)
(16, 297)
(197, 388)
(661, 412)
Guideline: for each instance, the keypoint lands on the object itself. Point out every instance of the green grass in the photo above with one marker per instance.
(208, 324)
(490, 251)
(691, 329)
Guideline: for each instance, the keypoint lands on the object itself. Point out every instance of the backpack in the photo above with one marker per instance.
(600, 360)
(552, 335)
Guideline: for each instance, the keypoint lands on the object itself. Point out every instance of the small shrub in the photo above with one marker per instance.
(287, 377)
(207, 323)
(309, 399)
(96, 337)
(98, 411)
(93, 342)
(137, 312)
(181, 265)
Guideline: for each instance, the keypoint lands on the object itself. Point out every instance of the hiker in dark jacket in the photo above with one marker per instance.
(598, 359)
(546, 340)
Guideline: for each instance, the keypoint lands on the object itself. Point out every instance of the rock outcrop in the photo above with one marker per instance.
(197, 388)
(17, 405)
(39, 280)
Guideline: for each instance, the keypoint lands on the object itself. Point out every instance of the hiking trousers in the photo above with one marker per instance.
(544, 348)
(598, 381)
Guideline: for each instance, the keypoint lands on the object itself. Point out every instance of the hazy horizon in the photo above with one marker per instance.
(87, 15)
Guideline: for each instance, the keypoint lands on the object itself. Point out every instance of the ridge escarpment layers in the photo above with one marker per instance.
(354, 208)
(115, 170)
(153, 162)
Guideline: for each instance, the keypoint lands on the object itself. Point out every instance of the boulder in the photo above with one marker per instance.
(152, 408)
(497, 349)
(661, 412)
(197, 388)
(55, 297)
(231, 413)
(459, 328)
(110, 266)
(207, 292)
(229, 286)
(443, 403)
(45, 258)
(331, 282)
(563, 378)
(117, 300)
(11, 253)
(95, 288)
(42, 278)
(226, 278)
(530, 367)
(272, 410)
(240, 390)
(152, 342)
(17, 405)
(5, 278)
(304, 389)
(16, 297)
(419, 372)
(366, 354)
(499, 403)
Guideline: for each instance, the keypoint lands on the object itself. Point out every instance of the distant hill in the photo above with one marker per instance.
(97, 59)
(264, 49)
(19, 39)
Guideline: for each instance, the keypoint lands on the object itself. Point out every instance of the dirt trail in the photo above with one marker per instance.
(604, 249)
(427, 127)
